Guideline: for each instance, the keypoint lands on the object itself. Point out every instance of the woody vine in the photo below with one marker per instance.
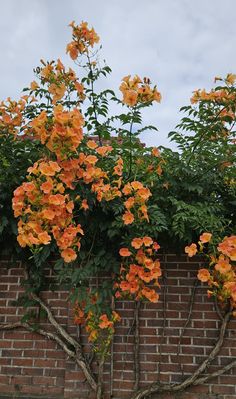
(103, 204)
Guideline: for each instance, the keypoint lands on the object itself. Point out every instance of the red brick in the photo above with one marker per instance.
(223, 389)
(45, 363)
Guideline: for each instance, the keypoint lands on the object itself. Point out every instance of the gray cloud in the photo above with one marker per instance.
(181, 45)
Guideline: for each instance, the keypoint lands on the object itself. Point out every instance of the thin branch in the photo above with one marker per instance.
(79, 359)
(40, 331)
(100, 377)
(93, 102)
(55, 324)
(164, 284)
(191, 303)
(217, 373)
(218, 309)
(136, 346)
(126, 351)
(130, 147)
(52, 319)
(112, 353)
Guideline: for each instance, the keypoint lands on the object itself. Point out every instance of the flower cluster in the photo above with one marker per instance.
(83, 38)
(139, 267)
(221, 274)
(137, 91)
(58, 80)
(222, 97)
(46, 211)
(61, 133)
(11, 115)
(95, 323)
(137, 196)
(99, 327)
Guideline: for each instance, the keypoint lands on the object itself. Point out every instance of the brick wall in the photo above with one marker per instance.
(31, 366)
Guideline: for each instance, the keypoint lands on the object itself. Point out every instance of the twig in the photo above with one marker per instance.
(100, 377)
(136, 346)
(191, 303)
(164, 280)
(40, 331)
(217, 373)
(218, 309)
(112, 353)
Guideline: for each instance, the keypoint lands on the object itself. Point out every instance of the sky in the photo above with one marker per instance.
(181, 45)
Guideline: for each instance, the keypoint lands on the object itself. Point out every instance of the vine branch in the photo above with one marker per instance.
(136, 346)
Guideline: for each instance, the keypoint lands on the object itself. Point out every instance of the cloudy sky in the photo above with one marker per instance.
(180, 44)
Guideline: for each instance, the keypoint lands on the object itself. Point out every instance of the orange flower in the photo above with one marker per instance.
(147, 241)
(156, 246)
(57, 199)
(47, 186)
(191, 250)
(150, 294)
(119, 167)
(144, 193)
(105, 322)
(155, 152)
(57, 91)
(94, 333)
(104, 150)
(80, 90)
(128, 217)
(124, 252)
(34, 85)
(203, 275)
(44, 238)
(159, 170)
(228, 247)
(115, 316)
(223, 266)
(205, 237)
(137, 243)
(143, 210)
(91, 159)
(19, 191)
(68, 255)
(91, 144)
(130, 97)
(84, 205)
(136, 185)
(48, 214)
(124, 286)
(29, 186)
(129, 203)
(70, 206)
(49, 169)
(230, 78)
(231, 287)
